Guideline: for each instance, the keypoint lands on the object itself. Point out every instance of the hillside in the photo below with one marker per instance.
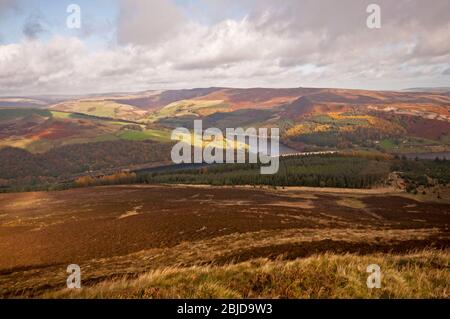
(40, 130)
(310, 119)
(145, 228)
(416, 120)
(20, 169)
(141, 241)
(413, 275)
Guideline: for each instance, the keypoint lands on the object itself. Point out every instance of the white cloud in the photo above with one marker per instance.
(298, 44)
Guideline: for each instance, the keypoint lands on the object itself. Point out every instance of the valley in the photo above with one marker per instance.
(316, 114)
(364, 177)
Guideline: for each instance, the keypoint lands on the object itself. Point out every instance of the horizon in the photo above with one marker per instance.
(94, 93)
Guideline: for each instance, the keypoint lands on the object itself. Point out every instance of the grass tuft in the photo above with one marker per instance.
(423, 274)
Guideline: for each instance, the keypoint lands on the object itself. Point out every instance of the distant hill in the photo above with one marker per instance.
(429, 89)
(18, 102)
(412, 120)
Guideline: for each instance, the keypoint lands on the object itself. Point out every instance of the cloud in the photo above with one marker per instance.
(33, 26)
(298, 43)
(148, 22)
(446, 72)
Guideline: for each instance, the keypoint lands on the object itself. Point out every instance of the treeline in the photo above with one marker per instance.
(19, 167)
(424, 173)
(359, 136)
(315, 171)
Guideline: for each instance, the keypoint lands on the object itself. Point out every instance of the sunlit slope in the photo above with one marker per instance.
(39, 130)
(308, 118)
(101, 108)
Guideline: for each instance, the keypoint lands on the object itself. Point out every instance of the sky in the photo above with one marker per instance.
(133, 45)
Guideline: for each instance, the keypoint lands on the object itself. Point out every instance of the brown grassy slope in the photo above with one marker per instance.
(423, 274)
(119, 231)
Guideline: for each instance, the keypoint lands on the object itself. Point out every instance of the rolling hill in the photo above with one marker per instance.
(39, 130)
(395, 117)
(310, 119)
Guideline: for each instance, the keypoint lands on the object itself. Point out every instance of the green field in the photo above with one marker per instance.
(189, 107)
(388, 144)
(148, 134)
(343, 121)
(407, 145)
(101, 108)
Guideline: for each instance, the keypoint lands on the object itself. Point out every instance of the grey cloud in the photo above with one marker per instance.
(346, 16)
(148, 22)
(446, 72)
(33, 26)
(329, 31)
(96, 26)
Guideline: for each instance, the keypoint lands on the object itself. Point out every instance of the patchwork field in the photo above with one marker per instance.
(161, 232)
(310, 119)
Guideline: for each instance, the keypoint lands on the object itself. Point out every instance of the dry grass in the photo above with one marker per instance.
(423, 274)
(351, 203)
(197, 226)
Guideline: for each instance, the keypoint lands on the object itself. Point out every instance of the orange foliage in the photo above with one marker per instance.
(114, 179)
